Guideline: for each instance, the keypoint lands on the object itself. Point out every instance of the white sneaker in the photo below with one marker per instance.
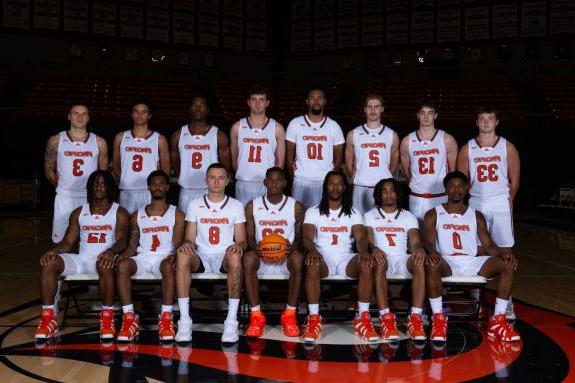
(184, 333)
(510, 312)
(230, 334)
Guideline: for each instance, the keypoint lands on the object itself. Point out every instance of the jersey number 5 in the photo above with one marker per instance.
(374, 158)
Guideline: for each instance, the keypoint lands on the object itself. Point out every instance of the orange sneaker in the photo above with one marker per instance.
(166, 327)
(500, 328)
(363, 328)
(313, 328)
(107, 330)
(415, 327)
(388, 327)
(48, 327)
(439, 328)
(289, 323)
(130, 327)
(257, 324)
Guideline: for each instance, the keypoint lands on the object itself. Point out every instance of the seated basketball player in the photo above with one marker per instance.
(214, 242)
(156, 230)
(329, 231)
(450, 232)
(273, 213)
(390, 229)
(101, 226)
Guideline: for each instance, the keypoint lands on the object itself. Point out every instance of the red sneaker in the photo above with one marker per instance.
(388, 327)
(130, 327)
(313, 328)
(289, 323)
(107, 330)
(166, 327)
(415, 327)
(257, 324)
(500, 328)
(363, 328)
(48, 327)
(439, 328)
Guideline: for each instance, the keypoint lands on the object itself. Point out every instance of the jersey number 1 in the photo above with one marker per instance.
(457, 241)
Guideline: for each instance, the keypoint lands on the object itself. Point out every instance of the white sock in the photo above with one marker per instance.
(362, 307)
(48, 307)
(167, 308)
(384, 311)
(436, 305)
(288, 307)
(184, 304)
(128, 308)
(233, 305)
(107, 307)
(500, 306)
(416, 310)
(313, 308)
(255, 308)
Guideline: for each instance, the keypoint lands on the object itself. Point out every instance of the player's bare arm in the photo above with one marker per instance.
(164, 151)
(379, 256)
(290, 157)
(224, 154)
(463, 160)
(299, 216)
(514, 170)
(68, 242)
(417, 251)
(134, 240)
(107, 259)
(241, 244)
(234, 151)
(433, 257)
(349, 156)
(394, 154)
(117, 166)
(313, 256)
(188, 245)
(364, 259)
(178, 236)
(251, 227)
(451, 147)
(281, 145)
(50, 159)
(175, 150)
(404, 157)
(103, 154)
(337, 156)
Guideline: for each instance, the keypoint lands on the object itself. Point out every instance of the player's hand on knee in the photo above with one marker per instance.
(187, 248)
(313, 259)
(365, 261)
(379, 256)
(418, 257)
(48, 257)
(510, 261)
(234, 249)
(106, 259)
(433, 259)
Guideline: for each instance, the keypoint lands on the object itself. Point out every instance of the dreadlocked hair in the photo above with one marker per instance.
(346, 203)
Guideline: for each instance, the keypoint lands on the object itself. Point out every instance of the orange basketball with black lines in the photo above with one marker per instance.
(273, 248)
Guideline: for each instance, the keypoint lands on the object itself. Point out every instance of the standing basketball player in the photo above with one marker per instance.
(314, 147)
(156, 230)
(215, 241)
(371, 154)
(329, 231)
(390, 229)
(101, 226)
(450, 231)
(194, 147)
(273, 213)
(70, 158)
(427, 155)
(137, 153)
(257, 144)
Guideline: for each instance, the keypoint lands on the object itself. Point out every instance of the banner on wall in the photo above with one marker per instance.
(372, 30)
(448, 3)
(234, 8)
(416, 4)
(477, 23)
(257, 8)
(396, 5)
(209, 6)
(16, 14)
(422, 27)
(300, 9)
(448, 25)
(533, 19)
(47, 14)
(184, 5)
(104, 18)
(158, 24)
(562, 16)
(301, 36)
(183, 27)
(371, 6)
(505, 20)
(346, 8)
(396, 28)
(256, 36)
(76, 16)
(132, 21)
(233, 33)
(209, 30)
(324, 36)
(347, 32)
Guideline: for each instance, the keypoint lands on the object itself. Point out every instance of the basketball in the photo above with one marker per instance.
(273, 248)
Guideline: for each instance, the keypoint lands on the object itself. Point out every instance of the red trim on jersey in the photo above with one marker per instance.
(383, 215)
(205, 134)
(432, 138)
(221, 207)
(103, 215)
(145, 138)
(71, 140)
(262, 128)
(161, 215)
(428, 195)
(379, 133)
(309, 123)
(282, 203)
(494, 145)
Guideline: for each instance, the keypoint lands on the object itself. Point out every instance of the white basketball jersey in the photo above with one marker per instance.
(138, 158)
(488, 169)
(372, 151)
(156, 232)
(74, 163)
(257, 150)
(456, 233)
(97, 232)
(390, 230)
(428, 164)
(196, 154)
(314, 146)
(215, 223)
(333, 233)
(274, 219)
